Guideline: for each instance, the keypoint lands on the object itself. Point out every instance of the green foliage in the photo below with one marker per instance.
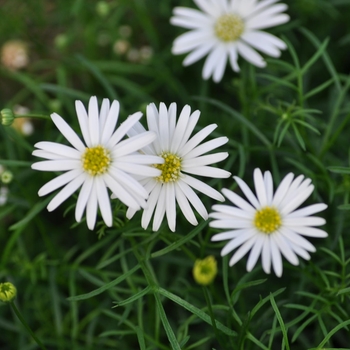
(128, 288)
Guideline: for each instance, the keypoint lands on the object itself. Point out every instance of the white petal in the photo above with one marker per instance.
(137, 169)
(170, 205)
(190, 127)
(133, 144)
(260, 189)
(164, 126)
(208, 171)
(185, 206)
(210, 7)
(59, 181)
(68, 132)
(59, 149)
(203, 160)
(83, 122)
(291, 235)
(228, 235)
(268, 186)
(276, 258)
(206, 147)
(103, 114)
(233, 56)
(282, 189)
(66, 192)
(123, 129)
(310, 232)
(237, 200)
(57, 165)
(91, 208)
(236, 242)
(111, 122)
(250, 55)
(231, 211)
(266, 22)
(202, 187)
(83, 197)
(103, 201)
(247, 192)
(231, 223)
(160, 210)
(220, 65)
(191, 41)
(266, 255)
(211, 61)
(297, 201)
(309, 210)
(180, 129)
(242, 250)
(94, 124)
(255, 252)
(285, 248)
(308, 221)
(199, 53)
(151, 204)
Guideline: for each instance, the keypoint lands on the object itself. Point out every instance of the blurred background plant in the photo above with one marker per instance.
(292, 116)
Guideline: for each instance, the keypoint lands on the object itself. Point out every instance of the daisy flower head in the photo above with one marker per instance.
(224, 29)
(184, 157)
(104, 160)
(269, 224)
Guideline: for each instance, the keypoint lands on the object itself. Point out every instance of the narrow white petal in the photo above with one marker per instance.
(308, 221)
(123, 129)
(185, 206)
(160, 210)
(236, 242)
(137, 169)
(139, 159)
(250, 55)
(83, 197)
(110, 123)
(268, 186)
(133, 144)
(211, 61)
(172, 118)
(191, 41)
(83, 122)
(192, 122)
(282, 189)
(208, 171)
(206, 147)
(309, 210)
(237, 200)
(191, 14)
(231, 223)
(221, 65)
(59, 149)
(202, 187)
(300, 251)
(151, 205)
(233, 57)
(210, 7)
(65, 192)
(243, 250)
(103, 201)
(276, 258)
(103, 114)
(59, 181)
(68, 132)
(198, 53)
(94, 124)
(228, 235)
(170, 205)
(91, 208)
(310, 232)
(164, 126)
(297, 201)
(57, 165)
(247, 192)
(194, 199)
(266, 255)
(255, 252)
(291, 235)
(267, 22)
(47, 155)
(130, 213)
(231, 211)
(285, 248)
(203, 160)
(180, 128)
(260, 189)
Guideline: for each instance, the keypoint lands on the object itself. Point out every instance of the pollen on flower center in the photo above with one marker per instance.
(96, 160)
(229, 27)
(170, 168)
(267, 220)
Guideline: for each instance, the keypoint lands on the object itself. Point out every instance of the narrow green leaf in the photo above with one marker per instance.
(168, 330)
(133, 297)
(339, 169)
(262, 302)
(332, 332)
(194, 310)
(280, 321)
(140, 338)
(105, 287)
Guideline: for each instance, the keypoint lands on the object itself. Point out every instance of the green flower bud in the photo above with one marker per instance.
(204, 271)
(102, 8)
(7, 292)
(6, 177)
(7, 117)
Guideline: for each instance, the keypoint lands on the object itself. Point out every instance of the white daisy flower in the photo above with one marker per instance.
(224, 29)
(103, 161)
(183, 156)
(270, 224)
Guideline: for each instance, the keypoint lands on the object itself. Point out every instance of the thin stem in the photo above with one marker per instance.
(40, 116)
(25, 324)
(211, 314)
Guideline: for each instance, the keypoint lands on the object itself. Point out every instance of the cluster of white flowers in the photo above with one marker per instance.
(155, 170)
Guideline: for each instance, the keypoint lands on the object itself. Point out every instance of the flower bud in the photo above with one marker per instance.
(6, 177)
(6, 116)
(7, 292)
(204, 271)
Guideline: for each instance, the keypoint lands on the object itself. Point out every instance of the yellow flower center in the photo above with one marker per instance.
(170, 168)
(267, 220)
(229, 27)
(96, 160)
(204, 271)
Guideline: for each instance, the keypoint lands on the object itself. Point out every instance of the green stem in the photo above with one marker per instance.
(210, 309)
(40, 116)
(25, 324)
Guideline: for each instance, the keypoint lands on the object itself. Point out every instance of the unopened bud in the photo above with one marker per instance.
(7, 292)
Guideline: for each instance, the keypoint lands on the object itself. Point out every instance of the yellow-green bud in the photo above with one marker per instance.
(102, 8)
(204, 271)
(7, 116)
(6, 177)
(7, 292)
